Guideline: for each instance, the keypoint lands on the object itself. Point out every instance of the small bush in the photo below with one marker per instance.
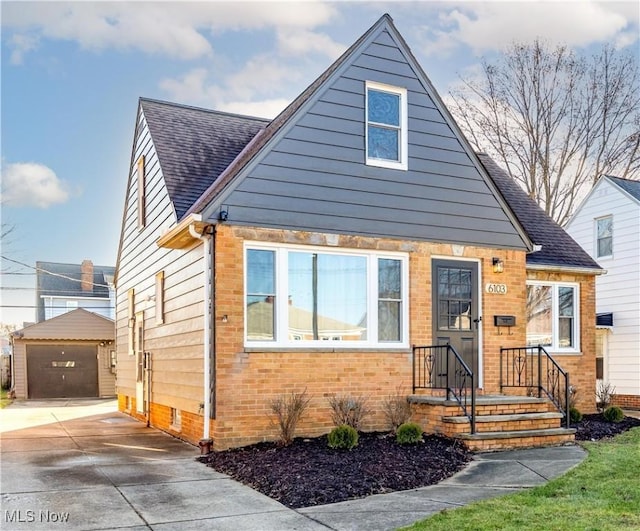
(396, 410)
(288, 410)
(343, 438)
(409, 433)
(604, 394)
(613, 414)
(575, 415)
(349, 410)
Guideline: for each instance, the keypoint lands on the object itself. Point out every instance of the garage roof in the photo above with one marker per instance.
(78, 324)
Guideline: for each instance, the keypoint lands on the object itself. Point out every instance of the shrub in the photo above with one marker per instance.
(613, 414)
(288, 410)
(573, 396)
(409, 433)
(604, 394)
(574, 415)
(349, 410)
(343, 437)
(396, 410)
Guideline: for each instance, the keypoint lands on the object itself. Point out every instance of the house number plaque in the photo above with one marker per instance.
(499, 289)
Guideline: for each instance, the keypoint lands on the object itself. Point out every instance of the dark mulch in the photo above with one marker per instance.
(594, 427)
(308, 472)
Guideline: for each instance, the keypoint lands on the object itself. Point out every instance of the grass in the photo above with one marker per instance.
(602, 493)
(4, 398)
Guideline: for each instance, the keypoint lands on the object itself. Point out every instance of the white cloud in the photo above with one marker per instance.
(494, 25)
(261, 109)
(33, 185)
(254, 89)
(296, 41)
(22, 44)
(175, 29)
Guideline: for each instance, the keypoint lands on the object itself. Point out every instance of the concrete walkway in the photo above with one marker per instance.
(82, 465)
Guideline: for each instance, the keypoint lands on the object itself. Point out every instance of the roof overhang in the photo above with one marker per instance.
(554, 268)
(181, 236)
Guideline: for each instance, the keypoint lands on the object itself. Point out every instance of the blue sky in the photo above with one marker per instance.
(72, 74)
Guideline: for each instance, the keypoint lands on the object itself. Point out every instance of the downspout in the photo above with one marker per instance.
(205, 443)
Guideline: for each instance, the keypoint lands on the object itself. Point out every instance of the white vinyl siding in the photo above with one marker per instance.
(617, 291)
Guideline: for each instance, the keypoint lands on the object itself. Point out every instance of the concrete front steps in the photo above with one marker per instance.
(502, 422)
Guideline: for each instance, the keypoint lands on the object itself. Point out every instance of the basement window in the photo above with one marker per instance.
(176, 419)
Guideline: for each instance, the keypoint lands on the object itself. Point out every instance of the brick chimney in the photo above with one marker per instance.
(86, 272)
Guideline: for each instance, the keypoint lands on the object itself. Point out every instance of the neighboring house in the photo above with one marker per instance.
(61, 288)
(607, 226)
(351, 246)
(69, 356)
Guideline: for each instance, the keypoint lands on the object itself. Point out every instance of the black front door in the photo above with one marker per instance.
(455, 310)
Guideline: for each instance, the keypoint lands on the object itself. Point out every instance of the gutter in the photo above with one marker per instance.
(566, 269)
(207, 239)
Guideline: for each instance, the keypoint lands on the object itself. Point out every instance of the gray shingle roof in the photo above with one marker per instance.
(558, 248)
(64, 280)
(629, 186)
(194, 146)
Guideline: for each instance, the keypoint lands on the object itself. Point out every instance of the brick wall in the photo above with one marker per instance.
(249, 379)
(626, 401)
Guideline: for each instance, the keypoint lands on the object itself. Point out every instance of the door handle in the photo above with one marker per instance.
(477, 321)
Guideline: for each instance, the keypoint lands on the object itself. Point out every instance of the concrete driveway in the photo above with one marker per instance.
(80, 464)
(83, 465)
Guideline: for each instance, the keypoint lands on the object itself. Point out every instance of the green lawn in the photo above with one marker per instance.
(4, 401)
(602, 493)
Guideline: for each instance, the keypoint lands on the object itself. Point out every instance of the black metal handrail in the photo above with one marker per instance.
(535, 369)
(441, 367)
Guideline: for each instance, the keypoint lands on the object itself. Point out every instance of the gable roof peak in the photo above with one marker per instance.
(630, 186)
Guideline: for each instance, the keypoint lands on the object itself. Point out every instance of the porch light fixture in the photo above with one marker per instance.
(498, 265)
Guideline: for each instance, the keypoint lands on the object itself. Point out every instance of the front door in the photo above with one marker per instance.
(455, 310)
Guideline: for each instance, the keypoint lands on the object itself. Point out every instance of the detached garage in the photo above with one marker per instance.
(69, 356)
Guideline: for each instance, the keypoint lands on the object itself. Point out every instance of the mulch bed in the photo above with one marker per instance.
(308, 472)
(595, 427)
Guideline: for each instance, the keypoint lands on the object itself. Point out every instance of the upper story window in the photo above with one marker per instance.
(386, 127)
(552, 316)
(314, 296)
(604, 237)
(140, 176)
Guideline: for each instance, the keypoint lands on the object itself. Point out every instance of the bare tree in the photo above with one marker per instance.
(555, 120)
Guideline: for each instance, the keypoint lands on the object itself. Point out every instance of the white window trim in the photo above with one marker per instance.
(554, 348)
(159, 297)
(282, 300)
(595, 237)
(403, 148)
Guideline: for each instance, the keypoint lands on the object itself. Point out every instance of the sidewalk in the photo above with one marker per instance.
(82, 465)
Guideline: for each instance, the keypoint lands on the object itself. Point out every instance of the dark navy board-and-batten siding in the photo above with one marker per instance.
(314, 176)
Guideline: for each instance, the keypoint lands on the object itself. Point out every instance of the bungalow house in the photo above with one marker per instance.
(353, 245)
(607, 226)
